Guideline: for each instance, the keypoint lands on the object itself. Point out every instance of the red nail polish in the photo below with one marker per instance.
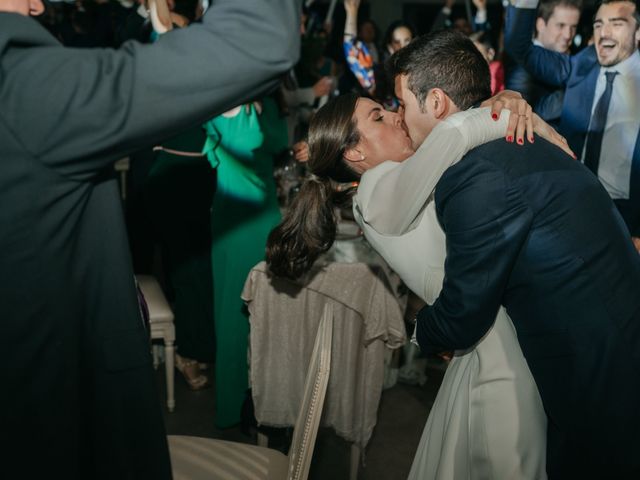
(509, 138)
(520, 141)
(494, 116)
(531, 139)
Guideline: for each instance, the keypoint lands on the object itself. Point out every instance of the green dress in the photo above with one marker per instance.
(178, 192)
(244, 210)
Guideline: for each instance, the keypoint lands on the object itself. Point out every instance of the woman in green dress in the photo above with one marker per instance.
(241, 145)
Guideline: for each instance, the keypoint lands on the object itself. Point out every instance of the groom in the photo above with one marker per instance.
(533, 230)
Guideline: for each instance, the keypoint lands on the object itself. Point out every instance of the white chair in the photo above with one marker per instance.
(194, 458)
(283, 316)
(162, 327)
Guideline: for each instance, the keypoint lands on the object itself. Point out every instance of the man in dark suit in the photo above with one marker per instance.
(78, 394)
(555, 27)
(533, 230)
(600, 113)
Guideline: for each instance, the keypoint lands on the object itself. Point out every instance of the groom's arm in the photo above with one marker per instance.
(486, 223)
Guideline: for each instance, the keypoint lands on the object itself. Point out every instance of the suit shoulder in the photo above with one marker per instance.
(583, 62)
(473, 166)
(508, 159)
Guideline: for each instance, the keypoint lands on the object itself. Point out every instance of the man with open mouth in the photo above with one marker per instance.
(601, 110)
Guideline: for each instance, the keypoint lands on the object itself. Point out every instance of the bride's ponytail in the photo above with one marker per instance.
(308, 228)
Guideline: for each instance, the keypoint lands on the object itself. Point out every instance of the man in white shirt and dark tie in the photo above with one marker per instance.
(601, 110)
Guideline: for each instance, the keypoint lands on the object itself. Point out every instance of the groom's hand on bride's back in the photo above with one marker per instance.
(446, 356)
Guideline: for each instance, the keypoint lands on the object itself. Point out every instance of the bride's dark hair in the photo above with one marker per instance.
(308, 228)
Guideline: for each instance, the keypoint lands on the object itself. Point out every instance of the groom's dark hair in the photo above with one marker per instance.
(447, 60)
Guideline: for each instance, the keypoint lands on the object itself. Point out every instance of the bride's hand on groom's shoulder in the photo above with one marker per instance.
(523, 122)
(550, 134)
(520, 120)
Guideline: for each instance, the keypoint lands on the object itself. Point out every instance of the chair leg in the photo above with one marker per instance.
(169, 354)
(355, 462)
(263, 440)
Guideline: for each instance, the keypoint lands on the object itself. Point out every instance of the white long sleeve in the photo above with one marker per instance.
(390, 202)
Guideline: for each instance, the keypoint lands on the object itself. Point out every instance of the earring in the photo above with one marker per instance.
(362, 156)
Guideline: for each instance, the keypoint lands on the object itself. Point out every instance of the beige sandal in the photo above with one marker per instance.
(190, 371)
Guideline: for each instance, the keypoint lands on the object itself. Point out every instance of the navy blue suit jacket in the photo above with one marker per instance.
(578, 75)
(533, 230)
(545, 100)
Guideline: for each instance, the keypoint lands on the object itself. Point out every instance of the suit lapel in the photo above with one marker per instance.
(581, 89)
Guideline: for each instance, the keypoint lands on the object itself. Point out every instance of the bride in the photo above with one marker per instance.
(487, 421)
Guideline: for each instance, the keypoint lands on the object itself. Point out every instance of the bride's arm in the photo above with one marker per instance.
(395, 199)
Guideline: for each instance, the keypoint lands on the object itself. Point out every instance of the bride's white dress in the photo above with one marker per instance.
(487, 421)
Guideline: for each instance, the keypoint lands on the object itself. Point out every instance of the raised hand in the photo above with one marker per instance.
(322, 87)
(351, 5)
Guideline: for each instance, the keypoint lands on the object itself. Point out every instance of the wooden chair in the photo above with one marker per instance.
(195, 458)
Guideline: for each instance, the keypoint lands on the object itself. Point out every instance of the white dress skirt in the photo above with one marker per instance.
(487, 421)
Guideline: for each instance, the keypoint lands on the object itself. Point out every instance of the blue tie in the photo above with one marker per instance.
(596, 127)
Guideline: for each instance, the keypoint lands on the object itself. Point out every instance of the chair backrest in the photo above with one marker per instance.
(284, 318)
(315, 389)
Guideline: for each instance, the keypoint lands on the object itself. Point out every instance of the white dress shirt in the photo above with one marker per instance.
(621, 129)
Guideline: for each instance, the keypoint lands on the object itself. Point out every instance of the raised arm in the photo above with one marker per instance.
(545, 65)
(442, 20)
(98, 105)
(480, 20)
(392, 203)
(355, 51)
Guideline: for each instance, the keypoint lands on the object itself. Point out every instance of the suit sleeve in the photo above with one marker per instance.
(486, 223)
(86, 108)
(545, 65)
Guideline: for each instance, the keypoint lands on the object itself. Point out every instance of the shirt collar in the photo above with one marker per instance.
(626, 67)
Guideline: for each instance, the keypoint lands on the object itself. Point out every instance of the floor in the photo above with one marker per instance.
(401, 418)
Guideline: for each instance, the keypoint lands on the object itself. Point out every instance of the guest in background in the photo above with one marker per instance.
(555, 29)
(178, 192)
(399, 34)
(600, 113)
(241, 146)
(368, 33)
(460, 23)
(362, 63)
(359, 57)
(483, 42)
